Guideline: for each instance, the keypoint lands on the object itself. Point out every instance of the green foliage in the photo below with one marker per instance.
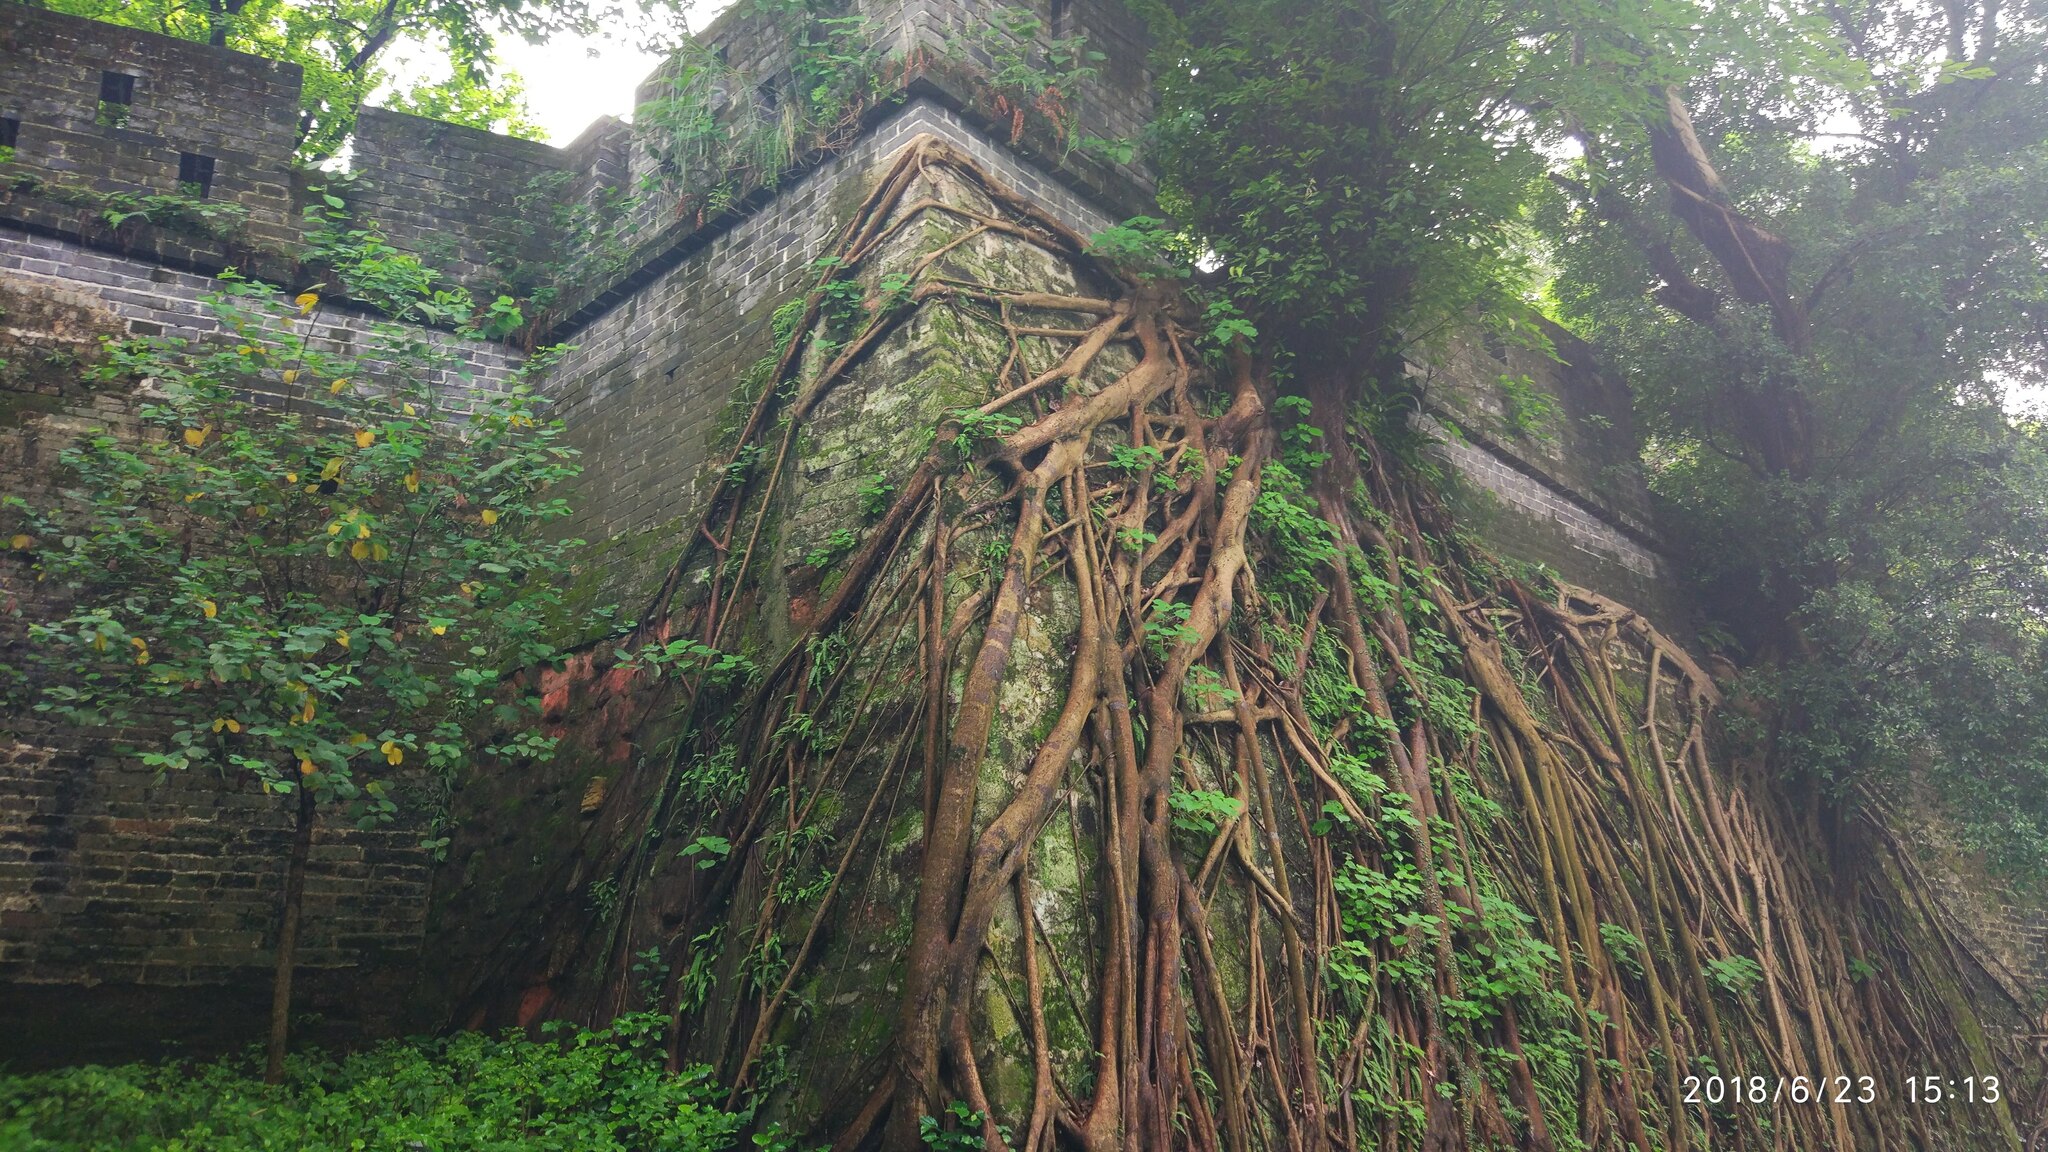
(173, 211)
(1167, 627)
(575, 1091)
(1529, 412)
(1866, 498)
(708, 851)
(1624, 947)
(716, 132)
(317, 593)
(1299, 543)
(1738, 976)
(876, 492)
(1369, 191)
(1142, 244)
(680, 658)
(499, 106)
(1031, 70)
(399, 284)
(963, 1134)
(836, 543)
(975, 427)
(1203, 811)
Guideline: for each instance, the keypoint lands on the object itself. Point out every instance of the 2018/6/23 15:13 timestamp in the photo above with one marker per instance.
(1924, 1089)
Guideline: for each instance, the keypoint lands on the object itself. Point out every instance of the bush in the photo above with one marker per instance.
(576, 1091)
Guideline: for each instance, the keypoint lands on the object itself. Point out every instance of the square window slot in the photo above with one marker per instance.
(10, 131)
(117, 99)
(195, 174)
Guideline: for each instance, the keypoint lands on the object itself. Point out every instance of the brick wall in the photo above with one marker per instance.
(135, 908)
(238, 110)
(646, 386)
(470, 202)
(1562, 486)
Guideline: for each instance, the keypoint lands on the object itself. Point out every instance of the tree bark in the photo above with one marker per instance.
(288, 937)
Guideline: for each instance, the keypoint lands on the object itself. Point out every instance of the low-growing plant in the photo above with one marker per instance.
(575, 1090)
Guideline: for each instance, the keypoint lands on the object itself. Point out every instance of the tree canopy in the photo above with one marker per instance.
(1809, 235)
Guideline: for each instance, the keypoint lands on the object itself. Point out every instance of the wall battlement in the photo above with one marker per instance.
(486, 210)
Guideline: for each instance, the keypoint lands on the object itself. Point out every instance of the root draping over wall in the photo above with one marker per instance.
(1047, 738)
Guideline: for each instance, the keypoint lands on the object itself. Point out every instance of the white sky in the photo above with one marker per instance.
(572, 80)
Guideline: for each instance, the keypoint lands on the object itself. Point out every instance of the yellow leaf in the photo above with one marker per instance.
(440, 629)
(338, 386)
(306, 713)
(291, 375)
(357, 738)
(359, 550)
(379, 552)
(393, 754)
(306, 768)
(411, 411)
(219, 724)
(332, 470)
(362, 531)
(234, 725)
(141, 650)
(341, 638)
(334, 529)
(307, 301)
(490, 515)
(245, 350)
(210, 608)
(21, 542)
(412, 480)
(191, 496)
(194, 437)
(312, 488)
(291, 477)
(365, 438)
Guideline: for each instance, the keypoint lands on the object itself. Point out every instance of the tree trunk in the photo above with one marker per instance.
(288, 937)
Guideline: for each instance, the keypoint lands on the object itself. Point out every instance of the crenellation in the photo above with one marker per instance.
(237, 110)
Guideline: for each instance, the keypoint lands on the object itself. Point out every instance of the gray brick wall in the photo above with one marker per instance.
(646, 385)
(238, 109)
(149, 300)
(114, 878)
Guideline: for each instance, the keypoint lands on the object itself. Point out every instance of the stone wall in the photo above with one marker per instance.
(645, 389)
(136, 909)
(472, 203)
(237, 111)
(1545, 448)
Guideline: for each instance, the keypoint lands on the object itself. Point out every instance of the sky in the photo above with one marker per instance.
(571, 80)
